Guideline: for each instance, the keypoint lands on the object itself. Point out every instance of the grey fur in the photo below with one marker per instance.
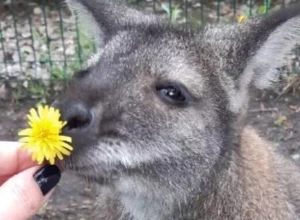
(154, 160)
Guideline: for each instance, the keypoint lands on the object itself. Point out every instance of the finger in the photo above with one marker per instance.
(25, 193)
(13, 159)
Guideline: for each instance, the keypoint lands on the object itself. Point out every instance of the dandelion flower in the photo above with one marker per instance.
(43, 137)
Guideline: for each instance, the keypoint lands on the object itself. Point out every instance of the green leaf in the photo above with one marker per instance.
(166, 8)
(281, 120)
(262, 9)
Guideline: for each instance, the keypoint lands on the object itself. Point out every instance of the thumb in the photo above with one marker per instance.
(25, 193)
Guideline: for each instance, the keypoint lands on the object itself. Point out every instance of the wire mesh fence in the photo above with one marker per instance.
(42, 44)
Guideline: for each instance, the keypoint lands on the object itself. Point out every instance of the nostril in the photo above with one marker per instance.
(78, 122)
(77, 116)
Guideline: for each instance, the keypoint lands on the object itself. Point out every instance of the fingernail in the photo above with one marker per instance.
(47, 178)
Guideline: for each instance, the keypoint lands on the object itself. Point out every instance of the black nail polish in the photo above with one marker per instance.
(47, 178)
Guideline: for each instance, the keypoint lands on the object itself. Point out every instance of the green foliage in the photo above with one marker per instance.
(257, 10)
(86, 46)
(18, 93)
(174, 12)
(38, 91)
(263, 9)
(280, 120)
(61, 70)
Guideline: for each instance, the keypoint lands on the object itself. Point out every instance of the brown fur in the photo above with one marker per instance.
(263, 187)
(252, 188)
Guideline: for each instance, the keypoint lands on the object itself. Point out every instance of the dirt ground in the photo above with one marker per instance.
(276, 119)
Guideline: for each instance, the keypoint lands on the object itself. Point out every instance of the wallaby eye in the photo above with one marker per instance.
(172, 93)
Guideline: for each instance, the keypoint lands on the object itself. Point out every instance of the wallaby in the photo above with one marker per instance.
(158, 117)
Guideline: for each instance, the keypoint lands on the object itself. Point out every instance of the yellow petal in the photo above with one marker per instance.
(52, 161)
(40, 158)
(66, 145)
(34, 156)
(59, 155)
(25, 139)
(64, 151)
(25, 132)
(41, 111)
(34, 114)
(65, 138)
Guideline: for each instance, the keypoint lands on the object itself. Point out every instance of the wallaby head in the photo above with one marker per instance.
(156, 113)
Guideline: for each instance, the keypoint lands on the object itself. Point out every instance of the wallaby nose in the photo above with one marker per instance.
(76, 114)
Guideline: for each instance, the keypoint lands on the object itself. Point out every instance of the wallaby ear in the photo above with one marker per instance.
(273, 38)
(262, 47)
(104, 18)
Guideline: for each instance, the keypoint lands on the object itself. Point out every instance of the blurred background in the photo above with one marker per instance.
(42, 44)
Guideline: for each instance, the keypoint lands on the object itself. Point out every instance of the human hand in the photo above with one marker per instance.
(24, 186)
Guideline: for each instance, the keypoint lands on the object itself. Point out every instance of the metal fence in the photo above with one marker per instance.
(41, 44)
